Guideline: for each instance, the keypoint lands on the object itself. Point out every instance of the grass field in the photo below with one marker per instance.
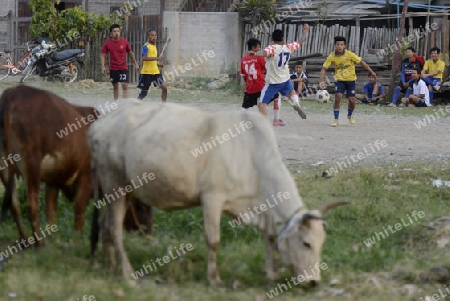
(381, 196)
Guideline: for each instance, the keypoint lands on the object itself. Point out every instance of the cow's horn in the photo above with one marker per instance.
(331, 205)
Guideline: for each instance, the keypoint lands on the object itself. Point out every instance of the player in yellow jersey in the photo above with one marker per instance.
(150, 72)
(344, 65)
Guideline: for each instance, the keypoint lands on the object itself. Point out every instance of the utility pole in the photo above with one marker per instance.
(397, 55)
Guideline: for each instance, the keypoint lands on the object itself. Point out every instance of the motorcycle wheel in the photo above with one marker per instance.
(30, 71)
(67, 77)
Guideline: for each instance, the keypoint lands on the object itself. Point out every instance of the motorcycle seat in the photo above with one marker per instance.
(65, 54)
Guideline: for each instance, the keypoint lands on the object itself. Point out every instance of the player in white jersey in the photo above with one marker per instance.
(278, 77)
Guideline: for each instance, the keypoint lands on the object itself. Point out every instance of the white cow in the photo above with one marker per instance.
(237, 171)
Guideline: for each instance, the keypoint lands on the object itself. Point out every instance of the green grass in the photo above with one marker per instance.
(61, 271)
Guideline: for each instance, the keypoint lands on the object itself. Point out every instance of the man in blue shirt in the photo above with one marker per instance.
(373, 91)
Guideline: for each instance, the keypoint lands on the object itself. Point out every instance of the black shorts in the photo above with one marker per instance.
(146, 80)
(251, 100)
(118, 76)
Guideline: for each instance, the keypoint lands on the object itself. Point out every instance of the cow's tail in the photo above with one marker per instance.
(95, 229)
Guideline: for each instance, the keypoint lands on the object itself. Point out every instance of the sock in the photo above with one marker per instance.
(350, 112)
(243, 109)
(431, 96)
(336, 113)
(408, 92)
(294, 99)
(276, 109)
(396, 95)
(276, 115)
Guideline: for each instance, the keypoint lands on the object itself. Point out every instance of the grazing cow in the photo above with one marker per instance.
(225, 161)
(30, 119)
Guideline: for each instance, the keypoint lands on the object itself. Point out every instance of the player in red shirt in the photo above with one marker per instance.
(253, 69)
(117, 48)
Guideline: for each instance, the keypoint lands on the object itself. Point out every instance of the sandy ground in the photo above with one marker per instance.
(375, 138)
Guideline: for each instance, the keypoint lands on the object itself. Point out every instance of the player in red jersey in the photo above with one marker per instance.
(117, 48)
(253, 70)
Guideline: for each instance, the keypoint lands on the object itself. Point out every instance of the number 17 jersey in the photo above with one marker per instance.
(277, 62)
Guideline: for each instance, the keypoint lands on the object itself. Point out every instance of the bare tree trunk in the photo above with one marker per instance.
(397, 55)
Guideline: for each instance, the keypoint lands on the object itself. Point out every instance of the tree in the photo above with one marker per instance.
(69, 25)
(256, 12)
(397, 55)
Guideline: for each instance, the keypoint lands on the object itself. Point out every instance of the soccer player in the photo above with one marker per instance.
(433, 71)
(253, 70)
(373, 91)
(117, 48)
(278, 78)
(344, 65)
(150, 72)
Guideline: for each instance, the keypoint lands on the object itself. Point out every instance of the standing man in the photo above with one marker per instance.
(278, 78)
(150, 72)
(117, 48)
(252, 71)
(344, 62)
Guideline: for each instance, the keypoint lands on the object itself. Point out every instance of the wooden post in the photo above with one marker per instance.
(445, 42)
(397, 55)
(358, 32)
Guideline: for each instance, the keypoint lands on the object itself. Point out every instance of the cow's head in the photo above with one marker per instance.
(300, 243)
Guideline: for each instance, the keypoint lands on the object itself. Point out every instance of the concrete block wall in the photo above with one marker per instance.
(5, 7)
(145, 7)
(202, 44)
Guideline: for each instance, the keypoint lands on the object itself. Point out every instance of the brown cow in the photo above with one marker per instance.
(31, 123)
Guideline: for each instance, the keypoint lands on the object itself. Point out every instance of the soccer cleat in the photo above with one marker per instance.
(351, 119)
(391, 105)
(300, 111)
(279, 123)
(335, 123)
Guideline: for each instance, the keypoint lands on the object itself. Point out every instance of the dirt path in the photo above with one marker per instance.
(373, 139)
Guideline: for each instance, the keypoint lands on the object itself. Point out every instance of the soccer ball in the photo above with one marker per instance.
(322, 96)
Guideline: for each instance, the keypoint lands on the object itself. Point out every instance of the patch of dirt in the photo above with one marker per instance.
(374, 138)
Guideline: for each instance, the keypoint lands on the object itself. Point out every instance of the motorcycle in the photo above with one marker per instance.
(45, 62)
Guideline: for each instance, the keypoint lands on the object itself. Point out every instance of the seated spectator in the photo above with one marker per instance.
(412, 61)
(420, 96)
(373, 91)
(300, 80)
(433, 71)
